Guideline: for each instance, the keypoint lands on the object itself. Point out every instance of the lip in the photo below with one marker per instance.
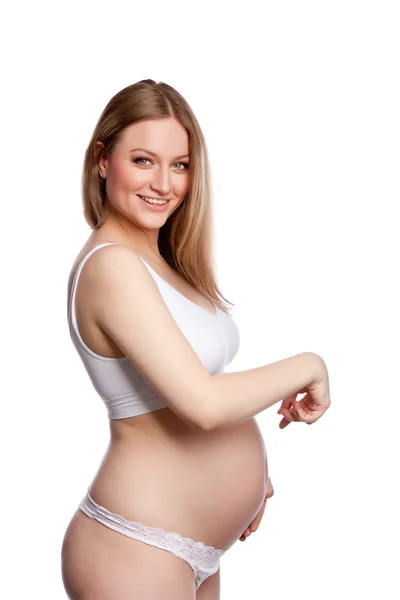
(154, 207)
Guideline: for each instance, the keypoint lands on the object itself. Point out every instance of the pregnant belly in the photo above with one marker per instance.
(229, 485)
(208, 486)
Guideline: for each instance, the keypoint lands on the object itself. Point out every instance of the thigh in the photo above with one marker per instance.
(102, 564)
(210, 589)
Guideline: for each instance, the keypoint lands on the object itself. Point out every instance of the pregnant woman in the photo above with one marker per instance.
(185, 472)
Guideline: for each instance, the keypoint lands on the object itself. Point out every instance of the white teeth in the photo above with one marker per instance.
(153, 201)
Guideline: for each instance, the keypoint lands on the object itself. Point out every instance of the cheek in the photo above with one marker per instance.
(182, 186)
(128, 178)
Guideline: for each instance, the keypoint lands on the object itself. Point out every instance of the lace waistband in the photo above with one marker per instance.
(187, 548)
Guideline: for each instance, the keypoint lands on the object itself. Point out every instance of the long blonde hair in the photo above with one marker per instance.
(185, 241)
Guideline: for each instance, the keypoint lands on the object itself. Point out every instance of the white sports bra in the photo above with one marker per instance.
(126, 393)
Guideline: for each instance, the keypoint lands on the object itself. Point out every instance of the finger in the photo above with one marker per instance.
(257, 519)
(286, 405)
(254, 525)
(270, 488)
(308, 402)
(289, 415)
(305, 416)
(294, 414)
(284, 423)
(285, 411)
(307, 409)
(287, 402)
(296, 411)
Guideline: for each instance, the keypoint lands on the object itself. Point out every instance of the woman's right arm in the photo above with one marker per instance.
(238, 396)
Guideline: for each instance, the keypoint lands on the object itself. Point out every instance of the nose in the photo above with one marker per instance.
(161, 181)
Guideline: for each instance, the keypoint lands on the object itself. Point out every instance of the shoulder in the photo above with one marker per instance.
(114, 275)
(104, 266)
(111, 259)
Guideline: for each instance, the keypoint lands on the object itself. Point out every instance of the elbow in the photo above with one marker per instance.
(206, 417)
(202, 420)
(208, 420)
(207, 423)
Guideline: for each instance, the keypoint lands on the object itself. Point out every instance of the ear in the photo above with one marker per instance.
(102, 161)
(97, 148)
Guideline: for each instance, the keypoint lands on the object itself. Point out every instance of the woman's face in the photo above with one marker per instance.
(158, 170)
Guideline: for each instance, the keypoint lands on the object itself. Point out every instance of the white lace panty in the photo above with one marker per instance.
(203, 559)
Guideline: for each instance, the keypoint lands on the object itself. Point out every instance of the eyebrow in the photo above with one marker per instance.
(154, 154)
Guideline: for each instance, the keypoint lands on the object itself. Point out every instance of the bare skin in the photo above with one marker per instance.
(157, 470)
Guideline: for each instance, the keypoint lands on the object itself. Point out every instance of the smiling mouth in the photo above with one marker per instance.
(158, 201)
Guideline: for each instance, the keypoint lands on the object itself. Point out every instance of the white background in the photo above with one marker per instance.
(299, 103)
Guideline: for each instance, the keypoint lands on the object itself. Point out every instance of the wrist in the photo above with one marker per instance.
(317, 366)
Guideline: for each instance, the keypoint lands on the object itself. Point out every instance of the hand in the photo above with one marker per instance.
(257, 519)
(311, 407)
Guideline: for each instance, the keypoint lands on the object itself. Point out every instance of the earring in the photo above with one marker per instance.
(100, 175)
